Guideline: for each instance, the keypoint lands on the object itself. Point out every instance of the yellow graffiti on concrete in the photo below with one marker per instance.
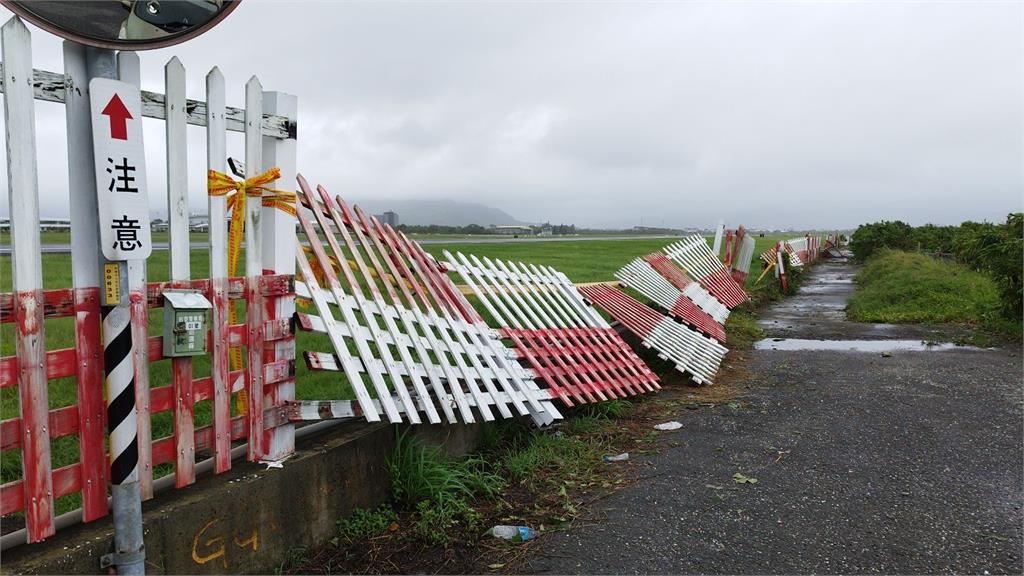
(207, 547)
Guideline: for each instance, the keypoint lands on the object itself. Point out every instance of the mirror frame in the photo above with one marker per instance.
(130, 45)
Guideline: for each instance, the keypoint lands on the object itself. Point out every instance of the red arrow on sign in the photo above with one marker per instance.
(119, 116)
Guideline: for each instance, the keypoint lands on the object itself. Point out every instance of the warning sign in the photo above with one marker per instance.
(120, 170)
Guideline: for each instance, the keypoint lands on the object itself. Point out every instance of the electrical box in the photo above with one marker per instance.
(185, 323)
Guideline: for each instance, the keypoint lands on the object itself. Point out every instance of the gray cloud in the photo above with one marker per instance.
(769, 114)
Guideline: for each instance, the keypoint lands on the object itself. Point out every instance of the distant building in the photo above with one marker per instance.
(46, 224)
(513, 230)
(389, 217)
(199, 223)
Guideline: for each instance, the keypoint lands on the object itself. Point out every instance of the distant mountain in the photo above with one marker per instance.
(441, 212)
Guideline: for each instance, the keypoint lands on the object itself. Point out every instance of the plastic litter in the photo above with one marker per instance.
(673, 425)
(617, 458)
(513, 533)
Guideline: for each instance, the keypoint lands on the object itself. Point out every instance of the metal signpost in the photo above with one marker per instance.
(123, 206)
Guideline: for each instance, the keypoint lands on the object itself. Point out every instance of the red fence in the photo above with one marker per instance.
(87, 417)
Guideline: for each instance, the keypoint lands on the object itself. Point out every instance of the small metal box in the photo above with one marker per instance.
(185, 323)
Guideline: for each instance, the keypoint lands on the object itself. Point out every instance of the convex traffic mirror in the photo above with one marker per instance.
(124, 24)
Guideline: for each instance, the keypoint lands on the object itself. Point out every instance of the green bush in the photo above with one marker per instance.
(932, 238)
(997, 250)
(439, 519)
(870, 238)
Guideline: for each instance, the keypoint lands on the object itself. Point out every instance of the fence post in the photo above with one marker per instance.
(179, 244)
(719, 230)
(254, 269)
(27, 277)
(128, 70)
(85, 267)
(216, 155)
(279, 258)
(780, 267)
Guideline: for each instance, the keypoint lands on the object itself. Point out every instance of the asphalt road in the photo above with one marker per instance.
(900, 464)
(66, 248)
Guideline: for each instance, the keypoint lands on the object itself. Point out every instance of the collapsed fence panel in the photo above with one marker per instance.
(697, 259)
(691, 289)
(690, 351)
(798, 246)
(742, 255)
(569, 346)
(770, 256)
(642, 277)
(377, 295)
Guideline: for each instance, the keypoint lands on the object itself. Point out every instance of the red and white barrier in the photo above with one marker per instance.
(569, 346)
(691, 289)
(691, 352)
(743, 255)
(640, 276)
(694, 256)
(770, 256)
(396, 297)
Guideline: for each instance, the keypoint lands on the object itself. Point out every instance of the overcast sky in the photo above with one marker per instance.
(802, 115)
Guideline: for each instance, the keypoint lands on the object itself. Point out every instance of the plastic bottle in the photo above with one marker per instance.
(513, 533)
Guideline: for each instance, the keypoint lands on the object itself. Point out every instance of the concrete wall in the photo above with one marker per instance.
(250, 519)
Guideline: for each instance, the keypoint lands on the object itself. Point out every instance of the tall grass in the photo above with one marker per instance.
(897, 286)
(420, 471)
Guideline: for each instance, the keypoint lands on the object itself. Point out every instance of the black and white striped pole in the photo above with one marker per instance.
(119, 379)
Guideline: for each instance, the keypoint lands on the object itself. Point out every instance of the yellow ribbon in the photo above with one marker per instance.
(220, 184)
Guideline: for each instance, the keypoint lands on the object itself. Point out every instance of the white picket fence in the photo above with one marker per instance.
(269, 124)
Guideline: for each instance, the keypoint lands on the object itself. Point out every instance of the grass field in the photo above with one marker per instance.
(64, 237)
(582, 261)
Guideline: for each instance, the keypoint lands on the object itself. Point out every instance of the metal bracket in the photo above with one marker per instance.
(237, 167)
(121, 559)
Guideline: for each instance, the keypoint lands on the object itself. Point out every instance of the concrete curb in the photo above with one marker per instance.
(250, 519)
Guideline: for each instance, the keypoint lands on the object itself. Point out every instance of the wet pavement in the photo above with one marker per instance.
(817, 312)
(899, 461)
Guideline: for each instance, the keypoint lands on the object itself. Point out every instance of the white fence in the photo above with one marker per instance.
(268, 122)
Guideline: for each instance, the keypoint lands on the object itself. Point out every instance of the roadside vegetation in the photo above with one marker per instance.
(897, 286)
(965, 274)
(441, 508)
(996, 250)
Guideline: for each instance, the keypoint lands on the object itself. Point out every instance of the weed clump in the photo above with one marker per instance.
(363, 523)
(439, 489)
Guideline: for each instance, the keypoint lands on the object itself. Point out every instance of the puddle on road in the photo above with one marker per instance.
(796, 344)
